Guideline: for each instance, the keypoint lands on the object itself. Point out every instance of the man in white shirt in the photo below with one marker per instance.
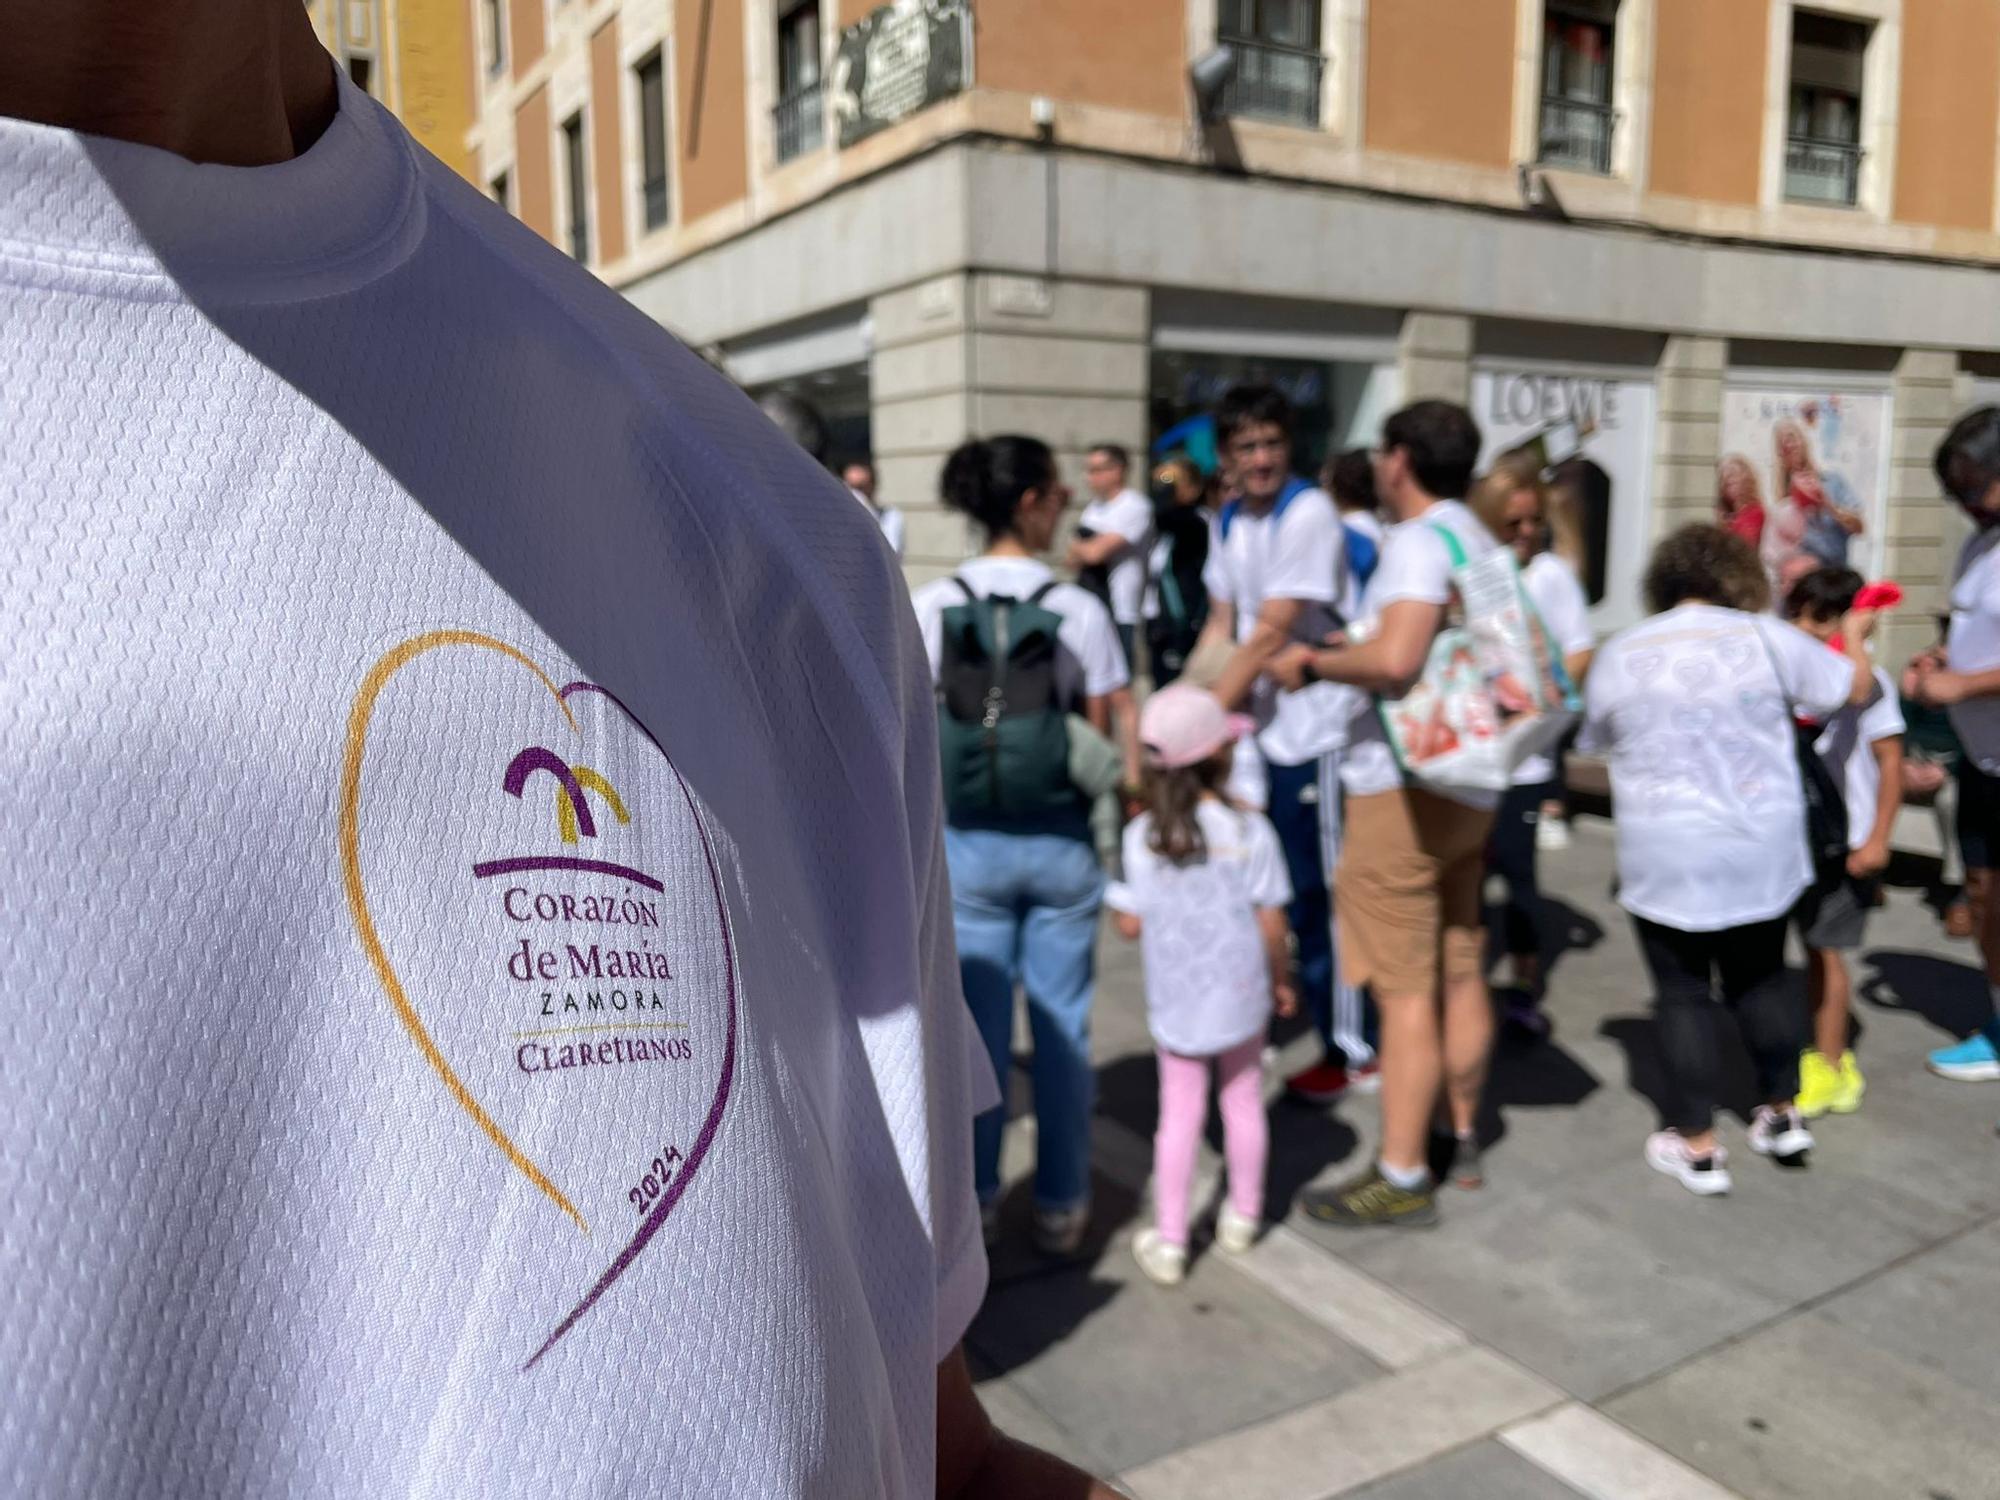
(512, 959)
(859, 477)
(1965, 678)
(1276, 572)
(1115, 534)
(1410, 872)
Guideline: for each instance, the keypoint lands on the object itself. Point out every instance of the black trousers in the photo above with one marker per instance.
(1749, 962)
(1511, 856)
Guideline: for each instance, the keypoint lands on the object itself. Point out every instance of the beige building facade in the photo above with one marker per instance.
(1654, 230)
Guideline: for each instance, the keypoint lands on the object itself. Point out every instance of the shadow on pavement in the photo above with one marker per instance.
(1646, 1070)
(1035, 1301)
(1952, 996)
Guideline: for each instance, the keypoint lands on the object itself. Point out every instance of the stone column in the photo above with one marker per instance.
(1687, 435)
(978, 353)
(1923, 531)
(1434, 357)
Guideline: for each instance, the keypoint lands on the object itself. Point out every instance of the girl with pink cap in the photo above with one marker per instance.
(1204, 892)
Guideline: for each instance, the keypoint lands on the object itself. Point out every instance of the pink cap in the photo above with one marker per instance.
(1184, 725)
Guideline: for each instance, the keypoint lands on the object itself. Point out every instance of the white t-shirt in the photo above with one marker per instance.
(1846, 747)
(1128, 514)
(1557, 596)
(1974, 643)
(888, 518)
(1296, 550)
(429, 1077)
(1415, 565)
(1704, 761)
(1367, 522)
(1089, 662)
(1208, 982)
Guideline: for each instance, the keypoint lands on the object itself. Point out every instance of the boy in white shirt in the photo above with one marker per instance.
(1115, 532)
(1863, 748)
(1276, 573)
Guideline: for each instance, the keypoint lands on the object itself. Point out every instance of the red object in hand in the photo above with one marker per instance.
(1884, 595)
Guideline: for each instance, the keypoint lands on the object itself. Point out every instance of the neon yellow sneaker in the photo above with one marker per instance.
(1819, 1085)
(1852, 1086)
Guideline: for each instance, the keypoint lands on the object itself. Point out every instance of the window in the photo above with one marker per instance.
(496, 35)
(1823, 122)
(361, 70)
(1278, 61)
(576, 167)
(502, 191)
(652, 79)
(1577, 117)
(800, 116)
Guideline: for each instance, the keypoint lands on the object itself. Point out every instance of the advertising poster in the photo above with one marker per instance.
(1816, 463)
(1594, 414)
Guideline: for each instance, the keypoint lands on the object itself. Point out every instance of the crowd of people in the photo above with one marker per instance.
(1278, 856)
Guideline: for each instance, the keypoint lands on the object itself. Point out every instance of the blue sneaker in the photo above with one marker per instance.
(1971, 1061)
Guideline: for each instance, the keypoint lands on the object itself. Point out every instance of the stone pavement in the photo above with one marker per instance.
(1582, 1326)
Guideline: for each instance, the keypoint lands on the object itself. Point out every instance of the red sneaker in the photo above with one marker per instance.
(1366, 1079)
(1322, 1083)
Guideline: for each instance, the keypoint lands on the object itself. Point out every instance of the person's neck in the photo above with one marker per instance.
(1411, 502)
(1009, 546)
(241, 83)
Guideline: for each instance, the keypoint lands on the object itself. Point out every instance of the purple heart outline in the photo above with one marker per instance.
(650, 1225)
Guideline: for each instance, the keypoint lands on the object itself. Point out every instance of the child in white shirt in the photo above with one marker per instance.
(1205, 890)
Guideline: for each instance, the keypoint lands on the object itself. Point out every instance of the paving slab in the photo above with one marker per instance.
(1484, 1471)
(1132, 1371)
(1940, 1309)
(1807, 1410)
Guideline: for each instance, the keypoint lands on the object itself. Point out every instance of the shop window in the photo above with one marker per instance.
(1823, 122)
(651, 78)
(576, 179)
(800, 114)
(1278, 59)
(1577, 118)
(495, 18)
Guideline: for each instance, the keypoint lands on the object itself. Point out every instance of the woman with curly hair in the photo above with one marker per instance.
(1695, 709)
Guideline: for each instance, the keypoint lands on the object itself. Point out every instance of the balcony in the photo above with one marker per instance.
(800, 121)
(1273, 82)
(1822, 171)
(1576, 133)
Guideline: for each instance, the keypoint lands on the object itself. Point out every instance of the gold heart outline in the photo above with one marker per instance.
(357, 900)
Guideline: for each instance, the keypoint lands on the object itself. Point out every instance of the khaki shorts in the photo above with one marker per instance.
(1407, 893)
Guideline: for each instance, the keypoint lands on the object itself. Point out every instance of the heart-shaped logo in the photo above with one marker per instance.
(1693, 718)
(1694, 672)
(1645, 665)
(538, 894)
(1736, 654)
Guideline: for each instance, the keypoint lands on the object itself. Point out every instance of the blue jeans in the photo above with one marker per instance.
(1025, 906)
(1304, 808)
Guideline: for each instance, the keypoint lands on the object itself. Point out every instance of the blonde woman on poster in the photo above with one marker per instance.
(1811, 514)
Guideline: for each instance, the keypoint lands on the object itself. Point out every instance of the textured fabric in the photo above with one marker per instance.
(427, 1077)
(1208, 980)
(1026, 906)
(1246, 1138)
(1415, 566)
(1694, 710)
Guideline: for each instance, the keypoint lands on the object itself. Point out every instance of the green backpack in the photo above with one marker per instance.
(1003, 733)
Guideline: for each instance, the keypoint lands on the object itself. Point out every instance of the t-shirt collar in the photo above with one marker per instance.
(140, 218)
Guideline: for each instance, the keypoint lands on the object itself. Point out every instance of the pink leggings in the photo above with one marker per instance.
(1183, 1112)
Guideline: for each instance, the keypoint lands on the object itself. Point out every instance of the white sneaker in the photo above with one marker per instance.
(1061, 1231)
(1552, 835)
(1164, 1263)
(1780, 1133)
(1235, 1232)
(1705, 1176)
